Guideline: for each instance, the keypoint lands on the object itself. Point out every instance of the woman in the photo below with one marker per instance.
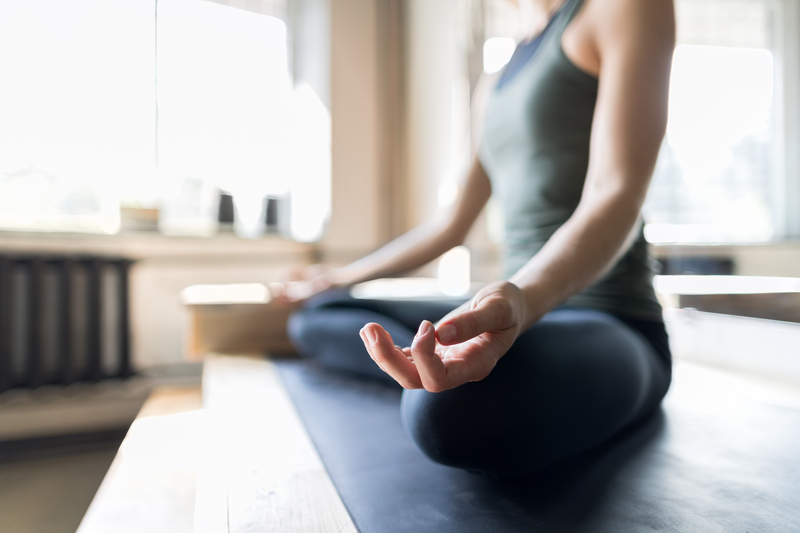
(571, 348)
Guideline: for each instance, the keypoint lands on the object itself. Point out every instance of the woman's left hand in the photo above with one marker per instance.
(297, 284)
(465, 346)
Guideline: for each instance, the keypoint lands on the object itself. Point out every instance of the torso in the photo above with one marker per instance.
(535, 149)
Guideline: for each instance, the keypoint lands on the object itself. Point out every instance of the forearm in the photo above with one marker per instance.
(425, 243)
(578, 254)
(409, 251)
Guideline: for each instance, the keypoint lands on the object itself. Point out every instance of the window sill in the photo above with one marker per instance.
(780, 258)
(151, 245)
(720, 249)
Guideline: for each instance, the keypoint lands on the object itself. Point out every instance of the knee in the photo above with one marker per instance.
(427, 424)
(307, 322)
(446, 428)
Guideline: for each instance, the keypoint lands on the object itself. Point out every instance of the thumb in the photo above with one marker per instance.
(489, 315)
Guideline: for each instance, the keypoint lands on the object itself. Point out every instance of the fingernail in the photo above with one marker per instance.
(370, 336)
(447, 333)
(423, 327)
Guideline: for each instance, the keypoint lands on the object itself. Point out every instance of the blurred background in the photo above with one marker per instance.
(150, 145)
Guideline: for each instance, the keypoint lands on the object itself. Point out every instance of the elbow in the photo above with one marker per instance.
(623, 198)
(452, 235)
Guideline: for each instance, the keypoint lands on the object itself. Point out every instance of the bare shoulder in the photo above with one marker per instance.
(632, 23)
(620, 28)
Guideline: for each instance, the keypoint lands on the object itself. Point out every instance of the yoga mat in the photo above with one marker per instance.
(703, 463)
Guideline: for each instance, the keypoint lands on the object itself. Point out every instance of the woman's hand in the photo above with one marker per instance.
(300, 283)
(464, 347)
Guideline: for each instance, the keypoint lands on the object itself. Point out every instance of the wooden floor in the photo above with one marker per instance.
(152, 482)
(230, 457)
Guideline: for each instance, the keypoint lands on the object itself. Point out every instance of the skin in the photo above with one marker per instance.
(627, 45)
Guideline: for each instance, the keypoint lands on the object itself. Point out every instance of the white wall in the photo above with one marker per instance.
(438, 107)
(354, 226)
(432, 66)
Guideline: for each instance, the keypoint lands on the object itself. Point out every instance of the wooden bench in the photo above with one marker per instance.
(231, 457)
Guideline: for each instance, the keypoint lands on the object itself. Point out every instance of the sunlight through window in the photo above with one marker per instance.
(104, 102)
(76, 111)
(716, 171)
(497, 51)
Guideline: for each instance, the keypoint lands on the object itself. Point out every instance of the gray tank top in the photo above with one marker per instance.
(535, 149)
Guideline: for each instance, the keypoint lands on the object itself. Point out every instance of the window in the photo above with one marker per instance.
(720, 173)
(112, 104)
(76, 111)
(729, 167)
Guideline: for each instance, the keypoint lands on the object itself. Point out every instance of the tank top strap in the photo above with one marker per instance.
(564, 17)
(552, 35)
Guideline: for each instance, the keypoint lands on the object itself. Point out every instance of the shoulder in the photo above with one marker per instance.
(605, 30)
(625, 25)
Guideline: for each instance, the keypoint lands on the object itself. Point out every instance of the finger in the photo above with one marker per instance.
(432, 371)
(279, 294)
(489, 315)
(320, 283)
(276, 290)
(390, 359)
(382, 350)
(367, 344)
(463, 308)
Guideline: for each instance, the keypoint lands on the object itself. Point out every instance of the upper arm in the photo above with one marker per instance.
(471, 199)
(634, 42)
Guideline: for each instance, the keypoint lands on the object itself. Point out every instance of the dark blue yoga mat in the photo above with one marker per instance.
(702, 464)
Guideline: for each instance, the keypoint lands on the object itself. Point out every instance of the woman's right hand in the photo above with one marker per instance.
(296, 284)
(465, 346)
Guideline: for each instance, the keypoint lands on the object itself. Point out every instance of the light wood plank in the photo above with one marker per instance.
(150, 487)
(263, 473)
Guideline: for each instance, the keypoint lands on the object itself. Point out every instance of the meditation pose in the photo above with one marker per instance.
(570, 348)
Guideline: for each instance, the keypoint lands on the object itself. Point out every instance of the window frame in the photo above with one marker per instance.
(785, 186)
(787, 87)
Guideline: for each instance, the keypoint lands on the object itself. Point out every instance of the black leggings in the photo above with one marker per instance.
(567, 384)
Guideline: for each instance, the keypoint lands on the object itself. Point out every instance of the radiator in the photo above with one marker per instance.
(63, 320)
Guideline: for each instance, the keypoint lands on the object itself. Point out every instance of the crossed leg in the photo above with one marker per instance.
(569, 383)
